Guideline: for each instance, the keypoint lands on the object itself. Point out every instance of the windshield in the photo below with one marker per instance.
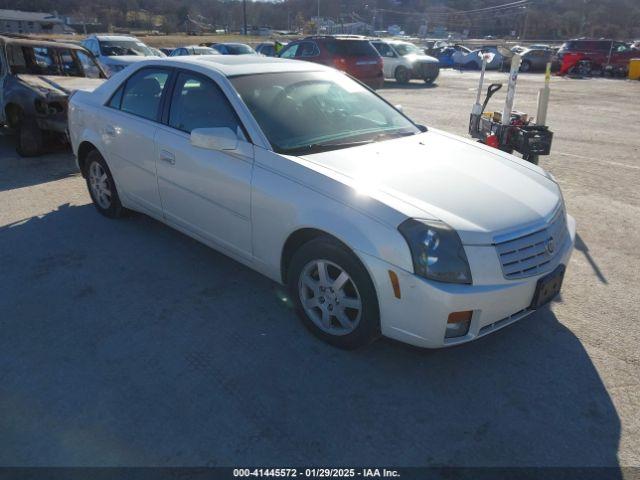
(204, 51)
(240, 49)
(407, 48)
(307, 112)
(116, 48)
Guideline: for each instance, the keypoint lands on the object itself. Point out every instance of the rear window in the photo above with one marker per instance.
(352, 48)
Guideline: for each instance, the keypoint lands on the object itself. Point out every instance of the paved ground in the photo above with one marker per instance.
(124, 342)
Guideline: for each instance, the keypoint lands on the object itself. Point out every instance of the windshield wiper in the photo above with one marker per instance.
(325, 147)
(321, 147)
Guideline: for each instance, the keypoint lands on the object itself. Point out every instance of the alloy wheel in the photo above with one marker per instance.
(329, 297)
(99, 184)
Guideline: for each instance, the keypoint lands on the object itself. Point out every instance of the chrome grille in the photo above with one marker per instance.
(533, 253)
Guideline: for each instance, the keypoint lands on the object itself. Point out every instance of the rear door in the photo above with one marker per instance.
(129, 126)
(204, 192)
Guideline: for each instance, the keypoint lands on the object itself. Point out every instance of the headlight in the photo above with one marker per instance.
(436, 250)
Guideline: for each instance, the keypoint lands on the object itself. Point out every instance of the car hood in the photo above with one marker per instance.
(415, 58)
(55, 84)
(479, 191)
(124, 59)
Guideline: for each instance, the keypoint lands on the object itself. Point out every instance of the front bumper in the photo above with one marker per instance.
(424, 70)
(420, 316)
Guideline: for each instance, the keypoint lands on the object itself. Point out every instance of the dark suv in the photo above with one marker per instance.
(598, 55)
(356, 56)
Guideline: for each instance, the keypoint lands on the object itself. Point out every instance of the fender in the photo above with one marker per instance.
(314, 201)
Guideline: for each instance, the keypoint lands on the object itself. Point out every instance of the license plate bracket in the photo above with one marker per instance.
(548, 287)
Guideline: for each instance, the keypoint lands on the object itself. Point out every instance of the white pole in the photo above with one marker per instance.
(511, 89)
(543, 98)
(477, 106)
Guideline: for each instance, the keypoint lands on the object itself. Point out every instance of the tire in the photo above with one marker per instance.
(30, 138)
(324, 311)
(403, 76)
(525, 66)
(101, 186)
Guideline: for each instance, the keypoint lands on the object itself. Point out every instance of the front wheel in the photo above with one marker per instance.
(333, 294)
(101, 186)
(30, 139)
(402, 75)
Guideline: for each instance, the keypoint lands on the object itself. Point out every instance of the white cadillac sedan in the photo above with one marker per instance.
(377, 225)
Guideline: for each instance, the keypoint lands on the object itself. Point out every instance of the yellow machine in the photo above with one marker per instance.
(634, 69)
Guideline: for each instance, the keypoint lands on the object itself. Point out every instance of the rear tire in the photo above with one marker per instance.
(30, 138)
(333, 294)
(403, 76)
(101, 186)
(525, 66)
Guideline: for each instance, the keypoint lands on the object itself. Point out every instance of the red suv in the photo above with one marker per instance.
(355, 56)
(594, 55)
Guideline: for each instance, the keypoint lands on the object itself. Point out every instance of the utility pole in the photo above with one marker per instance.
(244, 16)
(526, 24)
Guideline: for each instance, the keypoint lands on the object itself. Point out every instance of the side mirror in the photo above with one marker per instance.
(398, 107)
(218, 138)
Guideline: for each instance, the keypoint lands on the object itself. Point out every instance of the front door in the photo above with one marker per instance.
(206, 192)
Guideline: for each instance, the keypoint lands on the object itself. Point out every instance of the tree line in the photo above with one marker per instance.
(537, 19)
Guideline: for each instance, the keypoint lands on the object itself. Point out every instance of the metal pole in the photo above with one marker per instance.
(476, 107)
(511, 89)
(543, 98)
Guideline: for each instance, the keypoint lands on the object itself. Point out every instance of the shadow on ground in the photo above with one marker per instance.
(19, 172)
(126, 343)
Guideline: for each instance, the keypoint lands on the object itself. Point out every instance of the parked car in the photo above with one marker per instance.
(445, 54)
(158, 52)
(231, 48)
(270, 49)
(473, 59)
(532, 60)
(598, 55)
(308, 177)
(166, 51)
(36, 79)
(115, 52)
(356, 56)
(193, 50)
(404, 61)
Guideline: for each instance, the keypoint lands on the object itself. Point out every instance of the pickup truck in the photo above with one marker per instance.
(36, 79)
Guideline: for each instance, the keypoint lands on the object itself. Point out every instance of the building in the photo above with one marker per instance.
(15, 21)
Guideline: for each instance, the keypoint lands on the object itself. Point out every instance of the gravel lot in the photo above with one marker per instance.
(127, 343)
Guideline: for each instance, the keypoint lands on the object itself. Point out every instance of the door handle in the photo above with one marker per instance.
(110, 131)
(168, 157)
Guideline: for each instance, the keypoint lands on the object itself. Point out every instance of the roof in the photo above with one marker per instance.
(233, 65)
(28, 16)
(38, 43)
(113, 38)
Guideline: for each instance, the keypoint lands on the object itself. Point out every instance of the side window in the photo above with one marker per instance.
(383, 49)
(142, 93)
(69, 63)
(116, 99)
(289, 51)
(199, 103)
(90, 68)
(308, 49)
